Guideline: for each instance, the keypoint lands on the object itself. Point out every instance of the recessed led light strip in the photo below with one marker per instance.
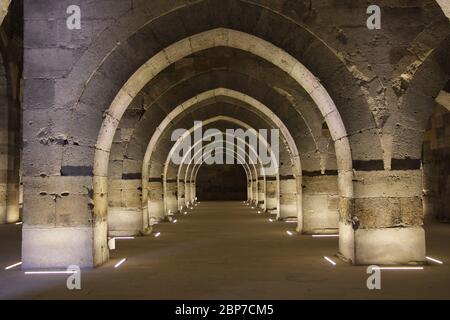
(118, 264)
(13, 266)
(434, 260)
(398, 268)
(329, 260)
(49, 272)
(325, 236)
(124, 238)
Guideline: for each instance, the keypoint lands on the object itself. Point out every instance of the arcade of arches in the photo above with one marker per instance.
(87, 116)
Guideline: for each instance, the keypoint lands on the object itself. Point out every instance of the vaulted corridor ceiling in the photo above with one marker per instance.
(117, 116)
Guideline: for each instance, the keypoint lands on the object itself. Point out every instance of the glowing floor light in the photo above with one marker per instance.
(19, 223)
(325, 236)
(434, 260)
(49, 272)
(270, 220)
(118, 264)
(398, 268)
(157, 235)
(124, 238)
(329, 260)
(185, 212)
(175, 221)
(289, 233)
(13, 266)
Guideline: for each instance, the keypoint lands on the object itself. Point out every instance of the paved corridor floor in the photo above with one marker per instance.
(226, 250)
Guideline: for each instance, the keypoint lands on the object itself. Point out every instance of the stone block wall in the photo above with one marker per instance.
(10, 111)
(436, 166)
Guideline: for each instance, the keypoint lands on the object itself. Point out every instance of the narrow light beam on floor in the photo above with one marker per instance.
(398, 268)
(19, 223)
(185, 212)
(48, 272)
(329, 260)
(270, 220)
(175, 221)
(434, 260)
(289, 233)
(13, 266)
(325, 236)
(157, 235)
(118, 264)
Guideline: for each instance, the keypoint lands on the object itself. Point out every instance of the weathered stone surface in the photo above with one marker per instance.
(355, 107)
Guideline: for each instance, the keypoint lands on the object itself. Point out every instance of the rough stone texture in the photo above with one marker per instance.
(39, 249)
(320, 204)
(390, 246)
(436, 166)
(10, 113)
(352, 99)
(124, 221)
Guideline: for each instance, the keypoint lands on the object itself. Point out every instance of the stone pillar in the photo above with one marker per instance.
(4, 145)
(255, 191)
(250, 190)
(193, 192)
(262, 193)
(181, 195)
(187, 192)
(271, 194)
(320, 203)
(155, 199)
(124, 207)
(387, 217)
(288, 197)
(10, 142)
(171, 196)
(14, 162)
(436, 163)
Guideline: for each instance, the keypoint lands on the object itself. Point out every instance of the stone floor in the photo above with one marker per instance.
(225, 250)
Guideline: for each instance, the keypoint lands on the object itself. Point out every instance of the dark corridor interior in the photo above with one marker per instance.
(221, 183)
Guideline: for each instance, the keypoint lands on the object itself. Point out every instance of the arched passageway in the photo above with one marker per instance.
(288, 120)
(216, 184)
(346, 126)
